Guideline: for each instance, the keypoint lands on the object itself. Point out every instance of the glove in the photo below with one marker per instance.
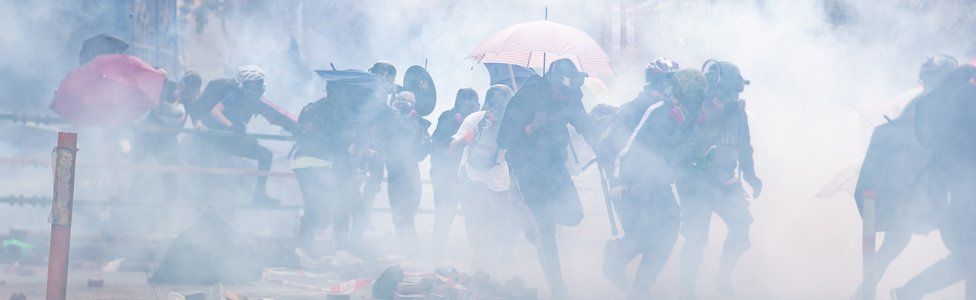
(617, 192)
(756, 184)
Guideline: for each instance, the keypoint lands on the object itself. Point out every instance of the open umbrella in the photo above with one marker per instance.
(537, 43)
(100, 45)
(511, 75)
(108, 90)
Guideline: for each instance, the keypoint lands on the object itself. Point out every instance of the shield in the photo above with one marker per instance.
(417, 81)
(109, 90)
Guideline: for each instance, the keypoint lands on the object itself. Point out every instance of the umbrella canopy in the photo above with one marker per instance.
(535, 44)
(100, 45)
(108, 90)
(514, 76)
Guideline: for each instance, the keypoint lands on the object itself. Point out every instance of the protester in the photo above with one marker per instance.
(159, 137)
(325, 167)
(720, 151)
(944, 124)
(536, 138)
(488, 204)
(388, 73)
(641, 140)
(406, 143)
(444, 163)
(892, 173)
(234, 111)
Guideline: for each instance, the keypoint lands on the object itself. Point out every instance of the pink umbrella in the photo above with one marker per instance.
(535, 44)
(108, 90)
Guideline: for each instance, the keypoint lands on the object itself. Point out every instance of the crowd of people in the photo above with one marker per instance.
(502, 160)
(669, 159)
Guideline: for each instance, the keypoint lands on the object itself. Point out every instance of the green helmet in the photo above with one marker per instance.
(691, 86)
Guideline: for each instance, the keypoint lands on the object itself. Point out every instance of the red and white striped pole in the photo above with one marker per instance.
(868, 239)
(60, 218)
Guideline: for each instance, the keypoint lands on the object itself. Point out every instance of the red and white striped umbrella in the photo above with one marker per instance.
(535, 44)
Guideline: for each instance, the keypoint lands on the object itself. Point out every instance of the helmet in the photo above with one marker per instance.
(384, 69)
(691, 86)
(935, 68)
(724, 75)
(250, 73)
(660, 67)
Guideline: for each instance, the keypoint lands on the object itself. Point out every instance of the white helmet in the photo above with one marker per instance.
(250, 73)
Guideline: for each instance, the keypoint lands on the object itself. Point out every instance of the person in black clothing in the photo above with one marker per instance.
(388, 89)
(444, 164)
(405, 143)
(320, 163)
(234, 111)
(945, 122)
(719, 158)
(536, 138)
(893, 174)
(641, 143)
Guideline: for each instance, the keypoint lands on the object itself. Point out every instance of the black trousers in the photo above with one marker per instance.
(550, 195)
(651, 219)
(404, 191)
(447, 195)
(250, 149)
(329, 198)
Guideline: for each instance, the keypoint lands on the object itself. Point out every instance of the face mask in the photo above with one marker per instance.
(403, 107)
(567, 82)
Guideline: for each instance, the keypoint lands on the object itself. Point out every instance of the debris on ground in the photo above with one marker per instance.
(96, 283)
(216, 292)
(445, 283)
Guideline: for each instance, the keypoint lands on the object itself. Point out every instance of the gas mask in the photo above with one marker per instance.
(403, 107)
(403, 103)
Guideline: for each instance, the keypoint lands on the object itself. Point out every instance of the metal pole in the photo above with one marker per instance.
(868, 240)
(511, 74)
(623, 27)
(64, 185)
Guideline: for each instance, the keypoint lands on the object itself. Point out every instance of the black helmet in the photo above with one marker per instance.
(384, 69)
(936, 67)
(724, 75)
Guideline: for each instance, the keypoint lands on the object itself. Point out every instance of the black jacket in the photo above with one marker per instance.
(405, 139)
(442, 160)
(548, 144)
(655, 152)
(326, 131)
